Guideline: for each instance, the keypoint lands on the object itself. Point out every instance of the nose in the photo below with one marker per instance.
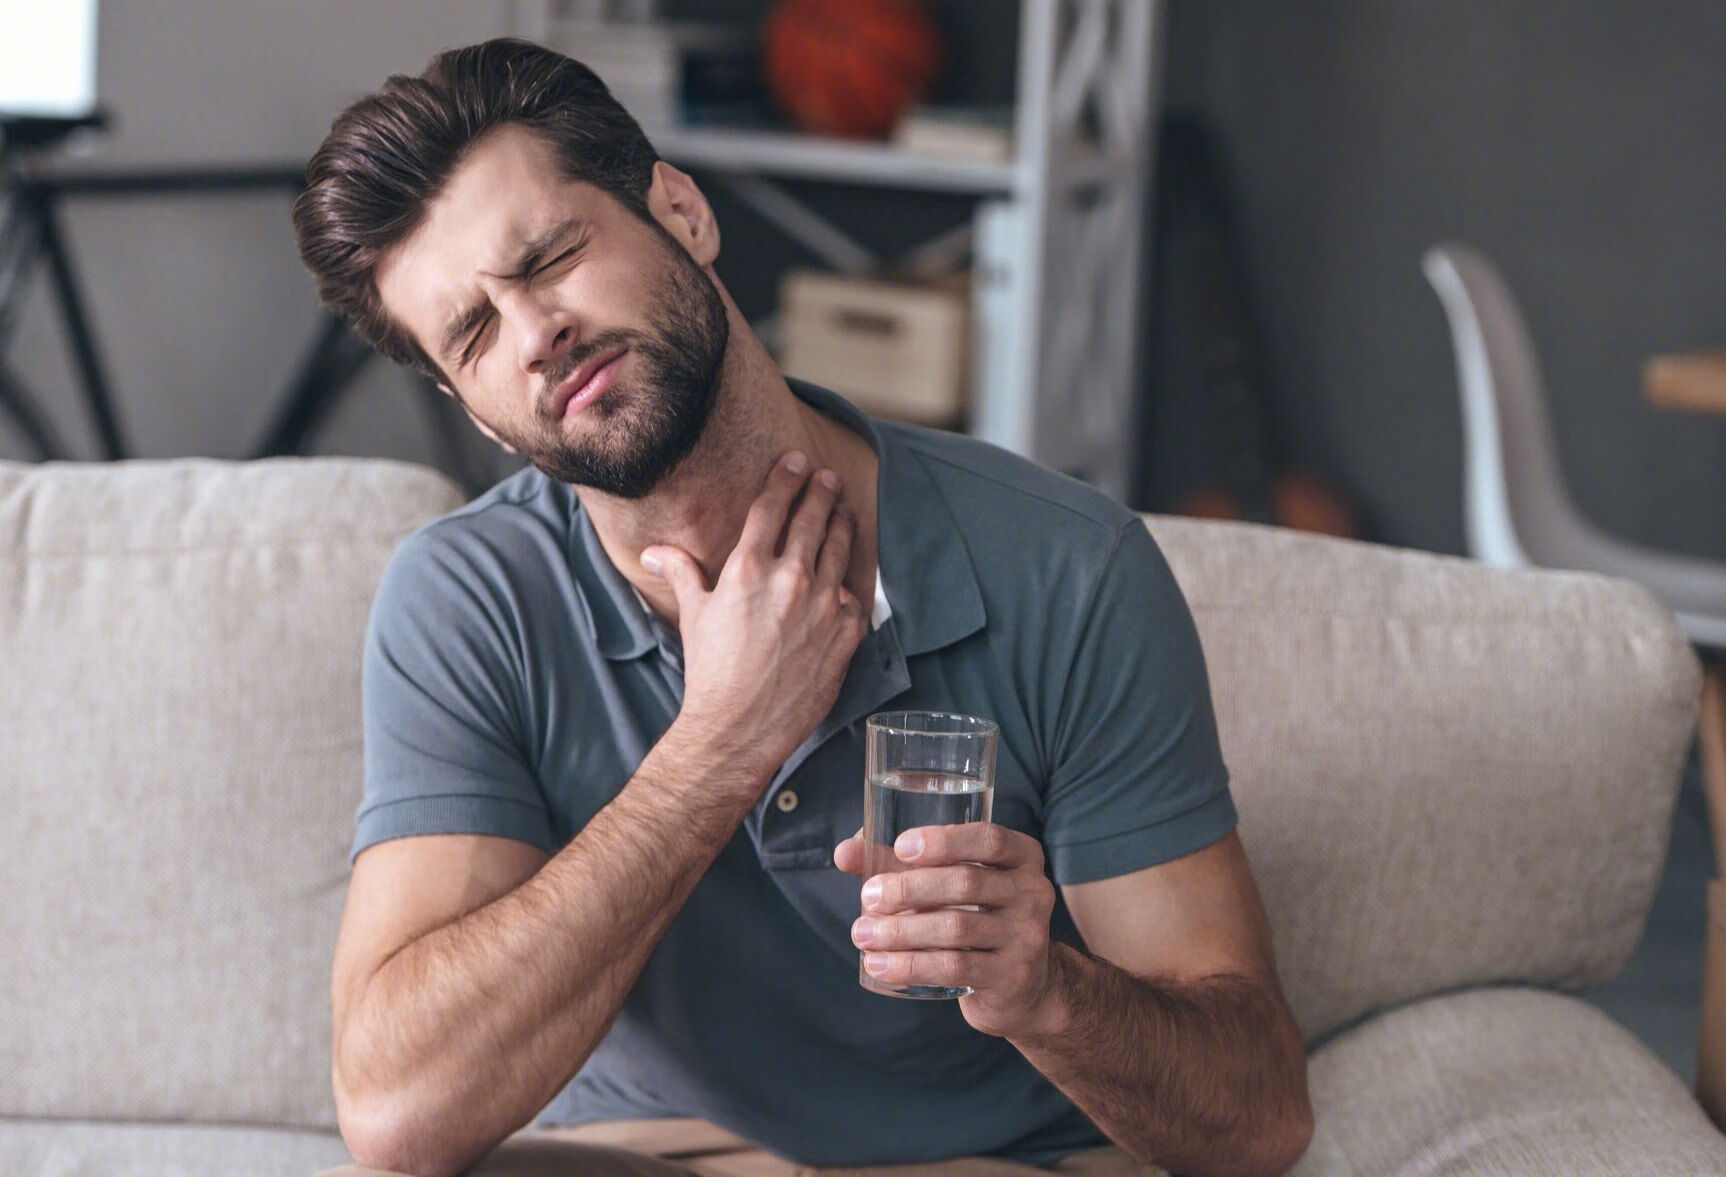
(545, 333)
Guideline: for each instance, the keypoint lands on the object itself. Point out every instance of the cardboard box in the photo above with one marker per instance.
(898, 350)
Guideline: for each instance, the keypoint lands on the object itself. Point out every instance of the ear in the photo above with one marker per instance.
(678, 205)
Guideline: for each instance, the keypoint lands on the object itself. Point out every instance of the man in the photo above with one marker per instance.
(606, 862)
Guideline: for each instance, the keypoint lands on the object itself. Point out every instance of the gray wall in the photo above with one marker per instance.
(200, 303)
(1583, 146)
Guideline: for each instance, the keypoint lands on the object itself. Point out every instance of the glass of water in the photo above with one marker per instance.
(923, 768)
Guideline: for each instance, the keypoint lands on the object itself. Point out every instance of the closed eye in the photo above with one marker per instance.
(557, 261)
(473, 341)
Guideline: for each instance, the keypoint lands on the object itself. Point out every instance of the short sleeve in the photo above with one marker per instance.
(442, 697)
(1137, 775)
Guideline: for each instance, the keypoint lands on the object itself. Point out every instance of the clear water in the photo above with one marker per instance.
(894, 802)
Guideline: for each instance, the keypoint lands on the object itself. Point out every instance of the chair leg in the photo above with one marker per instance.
(1711, 1055)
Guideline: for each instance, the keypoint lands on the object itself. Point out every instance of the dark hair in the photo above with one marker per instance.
(388, 156)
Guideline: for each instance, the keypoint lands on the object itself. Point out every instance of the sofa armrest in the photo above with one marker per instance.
(1501, 1081)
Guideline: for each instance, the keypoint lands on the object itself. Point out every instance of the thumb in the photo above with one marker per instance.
(678, 569)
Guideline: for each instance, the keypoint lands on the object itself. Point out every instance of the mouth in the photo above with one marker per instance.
(585, 384)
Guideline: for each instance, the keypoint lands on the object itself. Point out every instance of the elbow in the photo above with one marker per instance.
(1281, 1141)
(382, 1133)
(1267, 1146)
(1288, 1144)
(379, 1145)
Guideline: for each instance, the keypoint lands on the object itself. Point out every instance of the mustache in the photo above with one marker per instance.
(563, 368)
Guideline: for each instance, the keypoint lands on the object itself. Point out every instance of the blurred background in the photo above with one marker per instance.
(1171, 248)
(1582, 147)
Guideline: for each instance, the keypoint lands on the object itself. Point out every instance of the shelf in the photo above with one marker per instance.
(813, 157)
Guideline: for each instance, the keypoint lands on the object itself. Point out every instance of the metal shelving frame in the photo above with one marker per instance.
(1055, 239)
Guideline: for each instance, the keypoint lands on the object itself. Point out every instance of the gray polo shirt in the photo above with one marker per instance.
(513, 683)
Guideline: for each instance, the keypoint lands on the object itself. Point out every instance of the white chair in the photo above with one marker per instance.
(1519, 513)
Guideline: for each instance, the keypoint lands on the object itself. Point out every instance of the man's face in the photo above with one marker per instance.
(573, 331)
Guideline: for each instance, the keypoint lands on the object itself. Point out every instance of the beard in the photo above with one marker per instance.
(642, 428)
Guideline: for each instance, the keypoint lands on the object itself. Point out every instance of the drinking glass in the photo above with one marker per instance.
(922, 768)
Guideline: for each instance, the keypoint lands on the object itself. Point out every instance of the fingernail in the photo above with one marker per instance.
(871, 892)
(863, 931)
(652, 563)
(909, 845)
(796, 462)
(874, 963)
(828, 479)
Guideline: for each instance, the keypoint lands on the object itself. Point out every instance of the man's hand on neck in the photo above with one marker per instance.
(702, 506)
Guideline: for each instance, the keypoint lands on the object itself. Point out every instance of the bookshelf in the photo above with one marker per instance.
(1055, 237)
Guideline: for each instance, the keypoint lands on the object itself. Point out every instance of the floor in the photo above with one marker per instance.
(1659, 993)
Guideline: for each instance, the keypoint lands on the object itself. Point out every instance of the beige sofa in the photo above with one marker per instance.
(1455, 784)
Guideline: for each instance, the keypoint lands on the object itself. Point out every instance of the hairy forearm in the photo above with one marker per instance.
(463, 1035)
(1205, 1077)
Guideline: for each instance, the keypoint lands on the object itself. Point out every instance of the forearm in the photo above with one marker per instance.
(466, 1033)
(1207, 1077)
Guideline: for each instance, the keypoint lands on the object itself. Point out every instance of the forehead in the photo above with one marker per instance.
(508, 188)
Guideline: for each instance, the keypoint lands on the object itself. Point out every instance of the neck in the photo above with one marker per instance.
(701, 506)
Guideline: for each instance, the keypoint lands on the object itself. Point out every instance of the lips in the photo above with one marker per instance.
(585, 383)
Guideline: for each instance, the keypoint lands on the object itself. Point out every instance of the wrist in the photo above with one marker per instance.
(707, 760)
(1051, 1019)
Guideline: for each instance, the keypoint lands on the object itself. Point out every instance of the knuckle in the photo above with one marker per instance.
(790, 580)
(970, 884)
(750, 562)
(761, 514)
(1041, 893)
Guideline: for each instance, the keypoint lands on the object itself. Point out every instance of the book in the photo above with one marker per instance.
(662, 71)
(983, 134)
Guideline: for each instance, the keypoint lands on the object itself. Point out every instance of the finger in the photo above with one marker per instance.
(943, 967)
(922, 931)
(678, 569)
(766, 519)
(928, 888)
(808, 526)
(835, 555)
(848, 855)
(977, 841)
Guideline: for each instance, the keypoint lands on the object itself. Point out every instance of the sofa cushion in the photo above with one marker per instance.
(1447, 775)
(76, 1148)
(1502, 1081)
(179, 713)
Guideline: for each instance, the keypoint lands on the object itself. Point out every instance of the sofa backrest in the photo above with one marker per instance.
(1447, 775)
(179, 764)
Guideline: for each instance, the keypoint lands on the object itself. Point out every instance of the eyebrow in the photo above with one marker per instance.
(532, 254)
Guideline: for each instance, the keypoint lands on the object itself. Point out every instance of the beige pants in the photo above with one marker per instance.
(695, 1148)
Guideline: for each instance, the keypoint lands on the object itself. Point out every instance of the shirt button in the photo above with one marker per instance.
(787, 801)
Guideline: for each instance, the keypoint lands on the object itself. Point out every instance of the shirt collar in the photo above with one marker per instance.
(923, 568)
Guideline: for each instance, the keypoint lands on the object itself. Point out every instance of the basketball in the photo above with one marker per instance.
(848, 67)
